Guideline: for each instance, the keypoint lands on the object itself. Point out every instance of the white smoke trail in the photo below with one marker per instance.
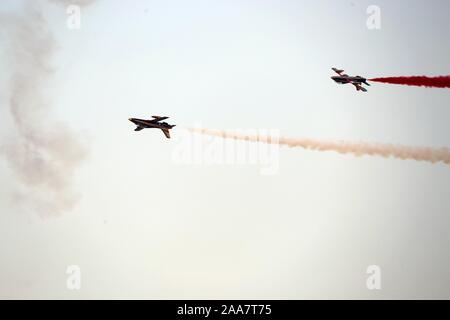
(432, 155)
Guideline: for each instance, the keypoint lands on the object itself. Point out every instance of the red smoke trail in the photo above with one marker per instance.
(422, 81)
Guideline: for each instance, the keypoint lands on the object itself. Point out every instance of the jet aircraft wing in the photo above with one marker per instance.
(338, 71)
(359, 87)
(166, 133)
(158, 118)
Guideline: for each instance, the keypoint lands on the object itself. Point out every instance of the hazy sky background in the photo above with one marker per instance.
(148, 227)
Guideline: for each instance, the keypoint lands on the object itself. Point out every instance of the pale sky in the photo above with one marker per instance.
(149, 227)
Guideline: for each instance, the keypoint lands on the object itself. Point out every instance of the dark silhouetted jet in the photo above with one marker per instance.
(153, 123)
(345, 78)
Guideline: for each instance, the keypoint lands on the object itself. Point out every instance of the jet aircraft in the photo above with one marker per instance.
(153, 123)
(343, 78)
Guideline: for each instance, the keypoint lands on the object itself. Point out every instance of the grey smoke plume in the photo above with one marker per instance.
(42, 152)
(357, 148)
